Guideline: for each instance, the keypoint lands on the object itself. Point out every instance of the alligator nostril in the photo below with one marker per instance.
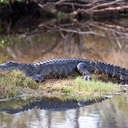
(37, 81)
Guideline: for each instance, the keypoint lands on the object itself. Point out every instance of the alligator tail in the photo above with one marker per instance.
(112, 71)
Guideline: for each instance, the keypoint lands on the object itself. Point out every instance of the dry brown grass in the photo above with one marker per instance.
(118, 58)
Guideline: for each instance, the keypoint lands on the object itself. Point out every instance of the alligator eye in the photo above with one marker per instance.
(9, 62)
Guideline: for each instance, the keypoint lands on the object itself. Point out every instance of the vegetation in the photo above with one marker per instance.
(79, 89)
(2, 1)
(15, 84)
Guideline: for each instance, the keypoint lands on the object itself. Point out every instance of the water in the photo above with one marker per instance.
(111, 113)
(93, 40)
(107, 42)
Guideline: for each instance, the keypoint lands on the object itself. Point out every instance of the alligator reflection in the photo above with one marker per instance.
(111, 113)
(44, 103)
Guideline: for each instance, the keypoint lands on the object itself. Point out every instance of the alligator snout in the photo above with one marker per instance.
(4, 68)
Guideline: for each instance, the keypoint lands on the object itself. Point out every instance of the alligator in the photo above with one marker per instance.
(63, 67)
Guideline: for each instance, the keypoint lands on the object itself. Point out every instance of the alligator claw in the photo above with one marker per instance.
(87, 77)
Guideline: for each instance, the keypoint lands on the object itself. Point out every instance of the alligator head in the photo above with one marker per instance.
(8, 66)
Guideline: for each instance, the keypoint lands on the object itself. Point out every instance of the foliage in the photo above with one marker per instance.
(95, 86)
(6, 41)
(78, 89)
(3, 1)
(14, 83)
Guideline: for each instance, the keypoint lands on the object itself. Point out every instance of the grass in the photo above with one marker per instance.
(14, 84)
(79, 89)
(95, 86)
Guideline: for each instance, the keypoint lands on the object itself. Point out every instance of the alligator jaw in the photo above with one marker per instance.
(5, 68)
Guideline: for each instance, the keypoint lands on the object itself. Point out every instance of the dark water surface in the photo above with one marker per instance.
(99, 41)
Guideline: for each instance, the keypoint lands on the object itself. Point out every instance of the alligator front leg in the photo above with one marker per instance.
(37, 78)
(82, 68)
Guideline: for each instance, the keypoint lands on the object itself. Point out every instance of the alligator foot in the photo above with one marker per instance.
(37, 78)
(86, 77)
(82, 69)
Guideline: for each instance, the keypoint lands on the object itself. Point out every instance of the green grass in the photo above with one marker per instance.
(15, 83)
(79, 89)
(95, 86)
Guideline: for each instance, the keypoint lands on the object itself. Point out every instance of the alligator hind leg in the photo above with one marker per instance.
(37, 78)
(82, 68)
